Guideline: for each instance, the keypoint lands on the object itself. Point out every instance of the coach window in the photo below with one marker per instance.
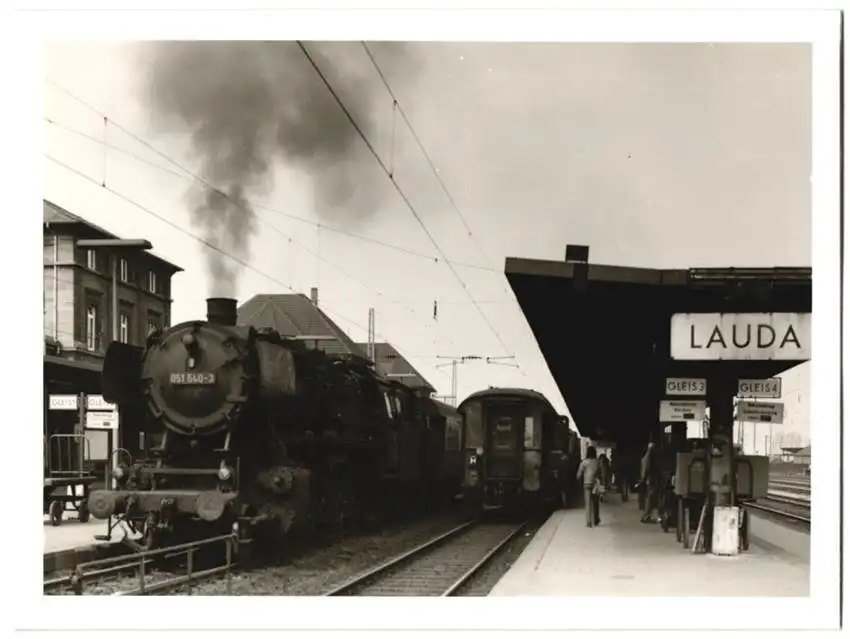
(474, 430)
(532, 432)
(504, 437)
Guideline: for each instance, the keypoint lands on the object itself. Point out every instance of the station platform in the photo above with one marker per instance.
(624, 557)
(73, 542)
(72, 534)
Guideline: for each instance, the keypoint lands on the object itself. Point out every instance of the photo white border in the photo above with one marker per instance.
(30, 610)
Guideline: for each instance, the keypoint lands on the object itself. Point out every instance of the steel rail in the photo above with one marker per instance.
(395, 561)
(452, 590)
(92, 571)
(423, 551)
(781, 513)
(58, 582)
(802, 503)
(182, 580)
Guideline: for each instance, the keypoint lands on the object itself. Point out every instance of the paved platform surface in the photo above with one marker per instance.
(72, 534)
(624, 557)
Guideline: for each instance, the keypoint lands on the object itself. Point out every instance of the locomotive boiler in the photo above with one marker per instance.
(244, 429)
(521, 455)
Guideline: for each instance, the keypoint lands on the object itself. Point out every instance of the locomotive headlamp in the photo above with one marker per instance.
(224, 473)
(118, 472)
(190, 343)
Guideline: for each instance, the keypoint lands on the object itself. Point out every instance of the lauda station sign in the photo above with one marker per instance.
(741, 336)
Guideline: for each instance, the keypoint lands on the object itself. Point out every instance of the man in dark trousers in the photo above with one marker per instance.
(650, 480)
(621, 466)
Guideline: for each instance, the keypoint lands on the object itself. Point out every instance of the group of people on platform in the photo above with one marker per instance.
(597, 474)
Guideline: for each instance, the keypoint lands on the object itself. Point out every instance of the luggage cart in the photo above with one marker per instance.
(64, 469)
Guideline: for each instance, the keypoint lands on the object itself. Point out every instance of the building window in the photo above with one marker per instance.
(91, 259)
(123, 270)
(124, 328)
(151, 282)
(154, 322)
(91, 328)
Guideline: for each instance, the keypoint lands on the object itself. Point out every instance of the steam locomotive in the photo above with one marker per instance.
(246, 430)
(521, 455)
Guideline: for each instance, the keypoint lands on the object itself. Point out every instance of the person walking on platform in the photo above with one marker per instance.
(650, 478)
(588, 474)
(622, 475)
(641, 485)
(604, 475)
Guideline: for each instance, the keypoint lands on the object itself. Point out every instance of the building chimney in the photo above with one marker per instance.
(314, 296)
(577, 253)
(221, 310)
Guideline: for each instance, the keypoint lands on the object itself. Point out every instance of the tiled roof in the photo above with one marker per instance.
(295, 315)
(388, 361)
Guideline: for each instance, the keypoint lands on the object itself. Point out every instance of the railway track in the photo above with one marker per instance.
(440, 567)
(787, 498)
(149, 572)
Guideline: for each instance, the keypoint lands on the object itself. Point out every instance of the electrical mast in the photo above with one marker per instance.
(454, 361)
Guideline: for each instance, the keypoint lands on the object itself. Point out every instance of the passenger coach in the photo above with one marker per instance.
(520, 453)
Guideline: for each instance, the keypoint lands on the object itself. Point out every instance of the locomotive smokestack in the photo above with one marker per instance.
(221, 310)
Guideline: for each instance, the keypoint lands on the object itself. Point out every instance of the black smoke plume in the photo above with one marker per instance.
(246, 105)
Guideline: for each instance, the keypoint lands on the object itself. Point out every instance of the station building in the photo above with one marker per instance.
(78, 299)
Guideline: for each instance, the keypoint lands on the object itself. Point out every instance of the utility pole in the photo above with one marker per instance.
(370, 344)
(462, 359)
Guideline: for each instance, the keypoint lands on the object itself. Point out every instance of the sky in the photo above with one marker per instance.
(655, 155)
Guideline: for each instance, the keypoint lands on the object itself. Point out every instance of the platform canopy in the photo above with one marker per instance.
(605, 331)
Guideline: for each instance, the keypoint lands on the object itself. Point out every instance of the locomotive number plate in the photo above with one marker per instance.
(192, 379)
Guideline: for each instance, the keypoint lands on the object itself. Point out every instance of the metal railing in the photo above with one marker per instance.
(70, 452)
(144, 559)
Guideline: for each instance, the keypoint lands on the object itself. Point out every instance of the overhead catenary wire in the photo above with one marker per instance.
(190, 176)
(398, 108)
(199, 180)
(206, 243)
(399, 190)
(258, 205)
(302, 246)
